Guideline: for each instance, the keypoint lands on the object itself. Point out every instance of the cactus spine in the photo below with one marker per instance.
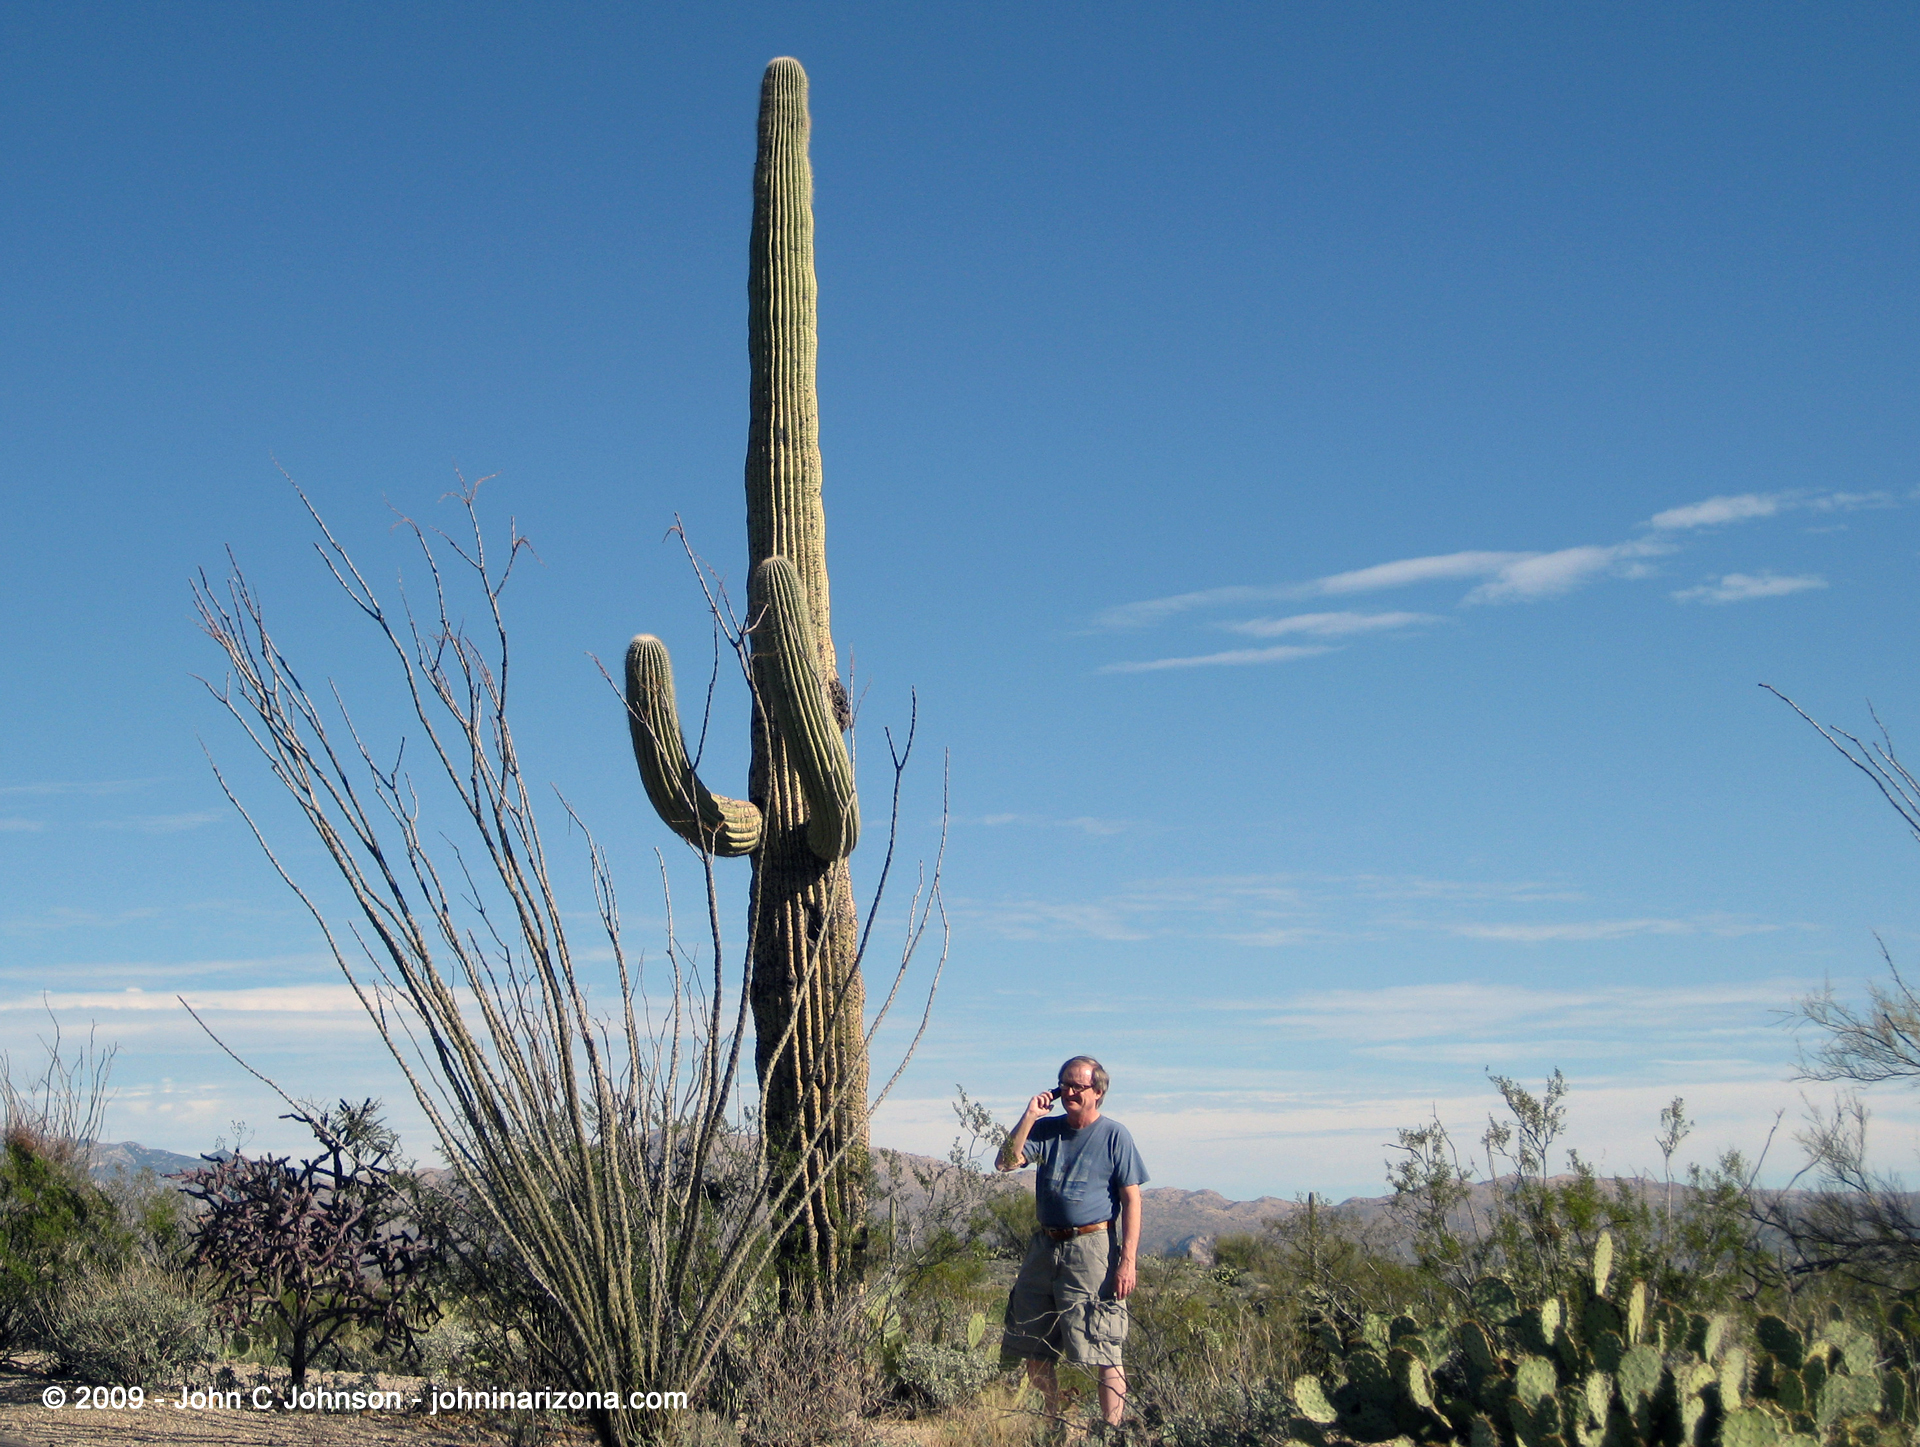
(801, 818)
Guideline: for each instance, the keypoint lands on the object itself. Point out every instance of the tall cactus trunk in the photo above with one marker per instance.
(801, 818)
(807, 996)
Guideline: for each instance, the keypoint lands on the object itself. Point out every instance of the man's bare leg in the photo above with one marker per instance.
(1113, 1394)
(1040, 1374)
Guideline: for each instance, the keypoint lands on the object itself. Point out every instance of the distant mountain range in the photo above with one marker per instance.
(1187, 1223)
(1174, 1222)
(131, 1158)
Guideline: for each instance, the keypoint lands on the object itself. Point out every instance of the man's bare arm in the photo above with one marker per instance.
(1127, 1272)
(1013, 1149)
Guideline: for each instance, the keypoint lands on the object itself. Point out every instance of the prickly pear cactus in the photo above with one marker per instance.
(1598, 1370)
(801, 818)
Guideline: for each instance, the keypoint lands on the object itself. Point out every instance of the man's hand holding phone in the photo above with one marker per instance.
(1011, 1157)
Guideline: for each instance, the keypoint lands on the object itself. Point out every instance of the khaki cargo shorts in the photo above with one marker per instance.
(1062, 1303)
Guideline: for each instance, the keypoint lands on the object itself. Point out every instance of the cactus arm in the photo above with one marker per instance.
(704, 819)
(795, 695)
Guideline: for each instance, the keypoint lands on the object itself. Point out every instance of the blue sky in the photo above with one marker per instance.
(1334, 477)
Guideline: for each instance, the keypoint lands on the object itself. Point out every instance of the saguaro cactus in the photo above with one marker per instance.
(801, 818)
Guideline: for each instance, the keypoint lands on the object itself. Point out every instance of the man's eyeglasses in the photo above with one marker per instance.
(1065, 1089)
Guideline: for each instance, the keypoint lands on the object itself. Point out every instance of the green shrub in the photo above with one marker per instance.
(939, 1377)
(1230, 1416)
(130, 1324)
(54, 1225)
(450, 1350)
(1006, 1223)
(153, 1214)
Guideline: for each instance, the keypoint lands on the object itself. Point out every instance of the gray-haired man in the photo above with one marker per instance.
(1070, 1298)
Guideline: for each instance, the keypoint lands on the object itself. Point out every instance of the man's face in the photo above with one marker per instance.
(1077, 1096)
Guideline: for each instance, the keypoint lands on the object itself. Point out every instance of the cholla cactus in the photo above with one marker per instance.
(801, 818)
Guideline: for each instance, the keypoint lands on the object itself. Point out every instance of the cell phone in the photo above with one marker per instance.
(1052, 1093)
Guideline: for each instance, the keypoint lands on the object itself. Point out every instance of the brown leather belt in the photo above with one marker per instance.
(1067, 1233)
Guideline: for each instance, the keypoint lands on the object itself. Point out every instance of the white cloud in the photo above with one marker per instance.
(1607, 929)
(310, 999)
(21, 826)
(62, 916)
(1329, 625)
(1739, 507)
(1155, 610)
(160, 823)
(1264, 910)
(1085, 823)
(1716, 510)
(1476, 1011)
(1408, 571)
(1740, 587)
(1035, 919)
(1144, 910)
(1547, 575)
(1306, 1091)
(103, 786)
(1372, 886)
(1400, 574)
(1512, 577)
(1282, 654)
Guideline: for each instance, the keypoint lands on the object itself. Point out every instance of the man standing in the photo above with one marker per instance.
(1070, 1299)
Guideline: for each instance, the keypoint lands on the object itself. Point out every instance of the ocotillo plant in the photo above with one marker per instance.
(800, 819)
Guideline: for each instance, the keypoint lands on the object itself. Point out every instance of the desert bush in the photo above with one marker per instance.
(449, 1350)
(1199, 1335)
(1223, 1415)
(134, 1323)
(798, 1379)
(55, 1225)
(497, 1326)
(154, 1214)
(941, 1376)
(1005, 1224)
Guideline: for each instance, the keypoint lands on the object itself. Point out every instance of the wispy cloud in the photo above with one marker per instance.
(1283, 654)
(21, 826)
(1155, 610)
(170, 975)
(1402, 573)
(1511, 577)
(1330, 625)
(64, 917)
(1040, 919)
(1147, 909)
(1608, 929)
(1741, 507)
(307, 999)
(161, 823)
(1548, 575)
(1717, 510)
(1287, 909)
(1392, 886)
(95, 786)
(1437, 1011)
(1084, 824)
(1498, 577)
(1408, 571)
(1741, 587)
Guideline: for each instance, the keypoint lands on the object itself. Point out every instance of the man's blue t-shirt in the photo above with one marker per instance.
(1082, 1171)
